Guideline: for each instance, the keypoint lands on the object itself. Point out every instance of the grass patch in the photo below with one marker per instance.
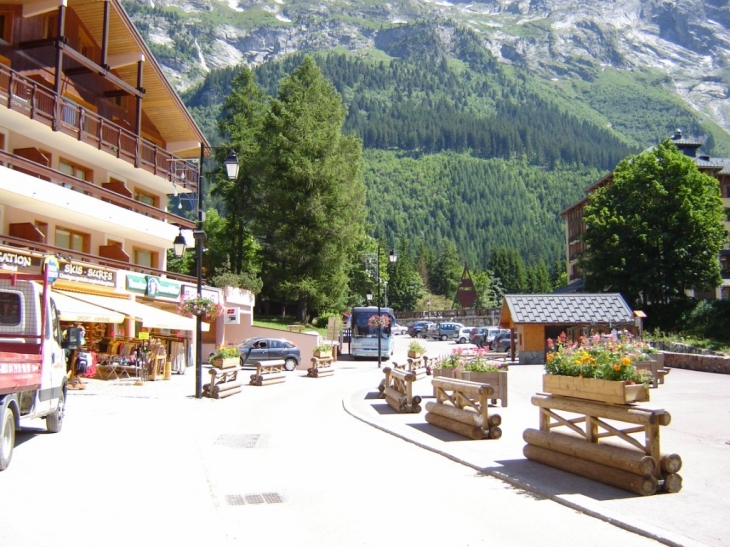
(702, 343)
(280, 323)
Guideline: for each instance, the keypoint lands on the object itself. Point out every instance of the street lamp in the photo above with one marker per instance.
(232, 167)
(392, 257)
(428, 303)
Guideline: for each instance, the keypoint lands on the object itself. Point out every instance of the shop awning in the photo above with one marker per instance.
(150, 316)
(71, 309)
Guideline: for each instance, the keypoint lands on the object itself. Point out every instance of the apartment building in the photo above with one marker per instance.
(93, 140)
(575, 225)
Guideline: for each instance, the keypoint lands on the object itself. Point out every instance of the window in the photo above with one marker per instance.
(725, 293)
(70, 168)
(144, 197)
(10, 309)
(6, 26)
(50, 25)
(72, 240)
(143, 257)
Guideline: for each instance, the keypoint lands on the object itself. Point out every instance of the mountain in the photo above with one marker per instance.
(480, 122)
(687, 41)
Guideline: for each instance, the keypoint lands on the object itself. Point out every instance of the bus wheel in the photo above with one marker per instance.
(7, 437)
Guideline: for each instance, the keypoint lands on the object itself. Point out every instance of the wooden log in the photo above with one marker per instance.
(220, 388)
(638, 484)
(465, 416)
(255, 380)
(272, 379)
(468, 388)
(672, 483)
(670, 463)
(325, 372)
(472, 432)
(228, 393)
(396, 404)
(381, 387)
(395, 395)
(617, 457)
(415, 409)
(416, 400)
(494, 420)
(403, 375)
(624, 413)
(494, 432)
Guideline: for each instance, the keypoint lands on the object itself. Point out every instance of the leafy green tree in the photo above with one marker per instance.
(656, 232)
(559, 275)
(509, 268)
(484, 283)
(309, 204)
(538, 279)
(241, 121)
(406, 284)
(446, 273)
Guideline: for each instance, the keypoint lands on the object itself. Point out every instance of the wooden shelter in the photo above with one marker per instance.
(536, 317)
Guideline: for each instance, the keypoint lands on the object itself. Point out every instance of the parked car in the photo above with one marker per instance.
(267, 349)
(395, 328)
(464, 335)
(446, 331)
(483, 336)
(502, 342)
(431, 331)
(417, 329)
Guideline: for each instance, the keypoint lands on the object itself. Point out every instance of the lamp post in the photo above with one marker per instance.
(428, 303)
(232, 167)
(392, 257)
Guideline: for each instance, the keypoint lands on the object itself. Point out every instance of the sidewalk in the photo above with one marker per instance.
(698, 403)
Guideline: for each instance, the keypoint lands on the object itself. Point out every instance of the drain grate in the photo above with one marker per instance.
(254, 499)
(238, 441)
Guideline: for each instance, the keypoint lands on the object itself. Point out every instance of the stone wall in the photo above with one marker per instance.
(704, 363)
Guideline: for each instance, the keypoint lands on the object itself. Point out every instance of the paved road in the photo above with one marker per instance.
(150, 463)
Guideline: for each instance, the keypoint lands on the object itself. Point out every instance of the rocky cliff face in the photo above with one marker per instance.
(687, 40)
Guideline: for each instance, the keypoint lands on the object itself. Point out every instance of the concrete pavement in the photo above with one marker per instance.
(699, 433)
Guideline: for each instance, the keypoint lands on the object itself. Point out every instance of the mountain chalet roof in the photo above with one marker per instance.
(584, 308)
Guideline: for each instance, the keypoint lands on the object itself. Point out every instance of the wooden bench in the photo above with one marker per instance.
(397, 390)
(463, 407)
(296, 328)
(268, 372)
(223, 383)
(655, 368)
(321, 366)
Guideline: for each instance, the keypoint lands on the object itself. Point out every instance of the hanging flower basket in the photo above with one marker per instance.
(378, 321)
(200, 307)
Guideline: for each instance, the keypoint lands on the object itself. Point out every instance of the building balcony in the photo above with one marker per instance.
(40, 104)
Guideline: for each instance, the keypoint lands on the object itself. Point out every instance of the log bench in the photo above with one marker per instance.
(397, 390)
(223, 383)
(296, 328)
(655, 368)
(268, 372)
(463, 407)
(321, 366)
(636, 464)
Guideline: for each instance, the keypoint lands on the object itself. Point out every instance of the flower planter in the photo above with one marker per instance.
(447, 373)
(616, 392)
(228, 362)
(321, 353)
(415, 354)
(495, 378)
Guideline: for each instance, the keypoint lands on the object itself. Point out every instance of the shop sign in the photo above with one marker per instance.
(11, 261)
(91, 275)
(51, 267)
(232, 316)
(191, 291)
(155, 287)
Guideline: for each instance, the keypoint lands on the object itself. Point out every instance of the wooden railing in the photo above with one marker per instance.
(91, 259)
(40, 103)
(91, 189)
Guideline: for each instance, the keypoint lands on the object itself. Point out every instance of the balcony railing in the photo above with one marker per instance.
(91, 189)
(39, 103)
(91, 259)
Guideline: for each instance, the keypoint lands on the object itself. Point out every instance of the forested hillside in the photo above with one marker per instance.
(461, 147)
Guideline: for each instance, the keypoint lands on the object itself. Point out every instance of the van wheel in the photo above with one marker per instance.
(7, 437)
(290, 364)
(54, 422)
(444, 338)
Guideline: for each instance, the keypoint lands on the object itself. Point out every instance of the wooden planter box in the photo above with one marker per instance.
(496, 378)
(327, 353)
(228, 362)
(414, 354)
(447, 373)
(595, 390)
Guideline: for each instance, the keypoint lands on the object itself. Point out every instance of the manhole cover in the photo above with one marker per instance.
(254, 499)
(238, 441)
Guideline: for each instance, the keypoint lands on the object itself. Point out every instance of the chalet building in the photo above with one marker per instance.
(93, 140)
(575, 225)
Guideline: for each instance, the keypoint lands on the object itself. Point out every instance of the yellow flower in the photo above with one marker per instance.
(625, 361)
(550, 357)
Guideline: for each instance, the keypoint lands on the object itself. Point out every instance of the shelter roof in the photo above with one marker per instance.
(583, 308)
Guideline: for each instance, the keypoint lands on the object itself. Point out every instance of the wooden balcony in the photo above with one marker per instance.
(90, 189)
(40, 103)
